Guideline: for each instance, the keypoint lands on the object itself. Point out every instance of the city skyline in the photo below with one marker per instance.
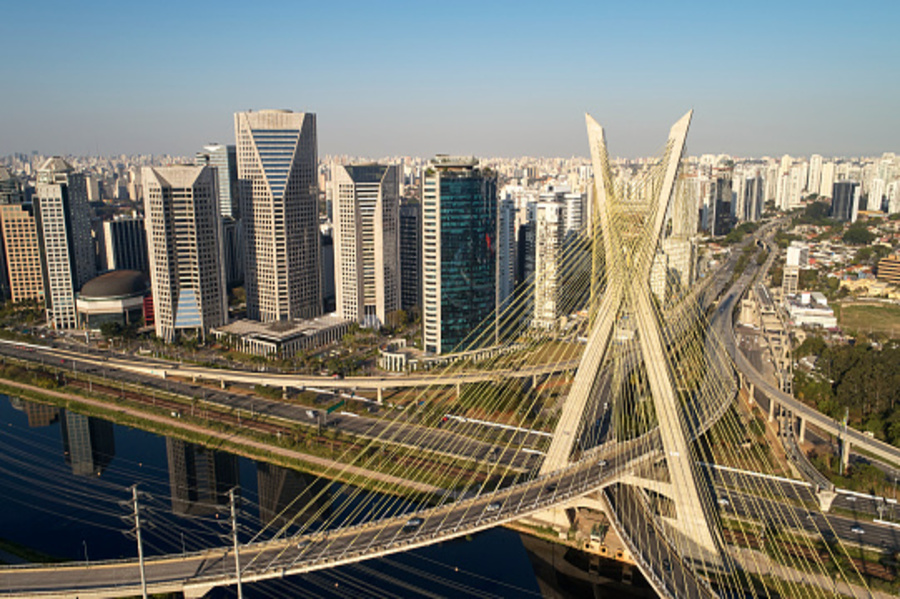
(489, 80)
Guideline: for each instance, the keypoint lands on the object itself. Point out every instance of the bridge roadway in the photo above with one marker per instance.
(789, 402)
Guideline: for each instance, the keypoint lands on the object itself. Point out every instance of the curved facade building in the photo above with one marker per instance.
(113, 297)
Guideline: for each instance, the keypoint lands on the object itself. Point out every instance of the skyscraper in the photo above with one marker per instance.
(507, 259)
(366, 242)
(549, 238)
(721, 222)
(125, 243)
(814, 181)
(64, 233)
(753, 199)
(845, 201)
(22, 251)
(459, 231)
(10, 194)
(223, 159)
(184, 237)
(276, 157)
(410, 255)
(826, 184)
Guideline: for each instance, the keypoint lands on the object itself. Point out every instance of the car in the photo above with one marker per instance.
(857, 529)
(602, 463)
(413, 523)
(551, 488)
(723, 502)
(492, 507)
(303, 543)
(667, 565)
(851, 498)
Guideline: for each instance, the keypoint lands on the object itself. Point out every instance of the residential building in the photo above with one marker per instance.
(459, 231)
(550, 236)
(63, 218)
(889, 269)
(276, 160)
(366, 242)
(184, 237)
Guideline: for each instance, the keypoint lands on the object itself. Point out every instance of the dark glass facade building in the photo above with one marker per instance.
(459, 230)
(844, 195)
(410, 255)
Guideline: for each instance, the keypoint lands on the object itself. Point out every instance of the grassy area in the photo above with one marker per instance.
(869, 318)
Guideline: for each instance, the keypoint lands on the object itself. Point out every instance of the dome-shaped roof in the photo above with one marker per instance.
(116, 283)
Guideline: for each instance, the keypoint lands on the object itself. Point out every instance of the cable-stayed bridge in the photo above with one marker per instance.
(653, 397)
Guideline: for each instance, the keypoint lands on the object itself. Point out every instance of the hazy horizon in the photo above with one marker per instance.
(485, 79)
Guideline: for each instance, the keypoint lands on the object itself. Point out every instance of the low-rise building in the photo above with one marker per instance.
(283, 338)
(113, 297)
(811, 309)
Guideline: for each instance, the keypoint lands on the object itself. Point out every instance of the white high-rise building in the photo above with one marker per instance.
(828, 178)
(797, 185)
(63, 222)
(366, 242)
(876, 194)
(814, 183)
(549, 242)
(893, 196)
(506, 250)
(575, 212)
(184, 237)
(783, 192)
(278, 188)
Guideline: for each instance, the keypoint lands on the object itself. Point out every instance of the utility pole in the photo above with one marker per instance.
(136, 516)
(234, 536)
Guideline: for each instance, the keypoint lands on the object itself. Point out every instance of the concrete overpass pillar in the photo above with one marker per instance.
(801, 435)
(379, 395)
(222, 384)
(458, 390)
(826, 498)
(845, 453)
(771, 409)
(284, 392)
(750, 396)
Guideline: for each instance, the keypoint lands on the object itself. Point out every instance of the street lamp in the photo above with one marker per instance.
(84, 542)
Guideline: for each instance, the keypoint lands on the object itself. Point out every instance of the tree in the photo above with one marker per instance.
(858, 234)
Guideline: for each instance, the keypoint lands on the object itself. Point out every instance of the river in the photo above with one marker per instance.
(64, 484)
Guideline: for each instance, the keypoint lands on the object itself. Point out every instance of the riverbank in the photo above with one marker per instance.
(215, 439)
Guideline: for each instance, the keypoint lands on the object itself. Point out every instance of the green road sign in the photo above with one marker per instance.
(335, 406)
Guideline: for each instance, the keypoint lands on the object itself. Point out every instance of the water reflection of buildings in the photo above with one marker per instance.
(38, 414)
(199, 478)
(566, 573)
(88, 443)
(285, 496)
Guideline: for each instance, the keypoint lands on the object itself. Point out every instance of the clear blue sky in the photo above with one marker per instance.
(484, 78)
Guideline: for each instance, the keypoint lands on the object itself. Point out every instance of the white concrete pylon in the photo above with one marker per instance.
(628, 254)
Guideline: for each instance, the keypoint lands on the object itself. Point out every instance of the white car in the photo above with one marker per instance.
(856, 528)
(492, 507)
